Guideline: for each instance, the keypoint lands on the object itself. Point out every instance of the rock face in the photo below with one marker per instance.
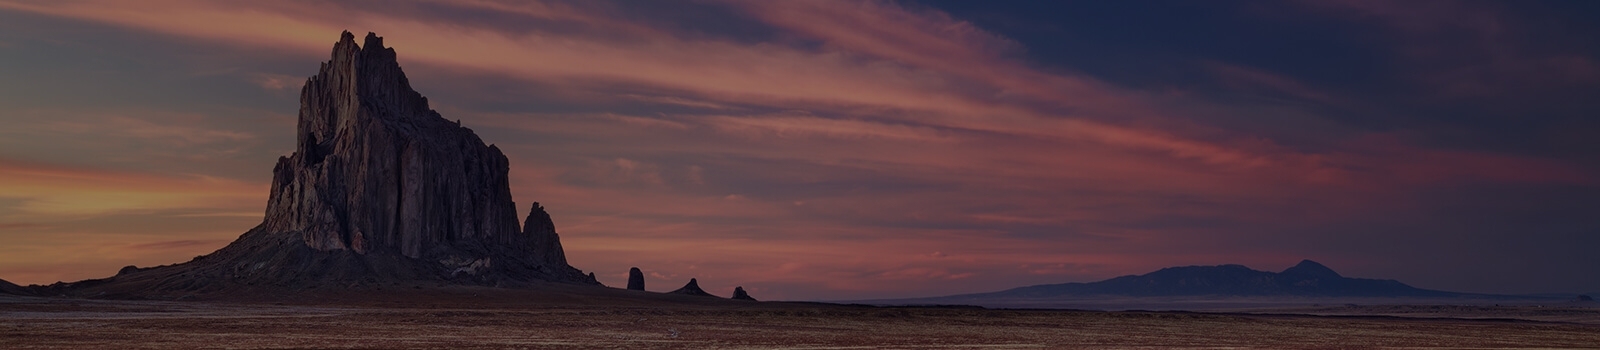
(739, 294)
(635, 279)
(375, 169)
(380, 189)
(693, 288)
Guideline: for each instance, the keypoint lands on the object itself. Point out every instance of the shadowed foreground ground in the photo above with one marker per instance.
(484, 319)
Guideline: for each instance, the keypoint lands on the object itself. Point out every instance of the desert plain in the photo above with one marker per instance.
(571, 317)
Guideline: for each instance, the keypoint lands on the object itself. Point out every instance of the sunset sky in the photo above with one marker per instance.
(826, 150)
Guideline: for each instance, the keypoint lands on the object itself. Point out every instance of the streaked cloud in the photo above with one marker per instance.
(804, 150)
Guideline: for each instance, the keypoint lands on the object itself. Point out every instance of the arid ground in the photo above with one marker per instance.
(459, 317)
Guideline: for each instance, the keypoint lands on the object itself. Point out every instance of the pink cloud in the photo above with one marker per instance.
(818, 171)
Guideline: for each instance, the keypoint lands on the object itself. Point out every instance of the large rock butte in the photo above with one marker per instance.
(380, 188)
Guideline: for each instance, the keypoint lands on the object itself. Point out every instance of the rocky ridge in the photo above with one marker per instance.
(7, 287)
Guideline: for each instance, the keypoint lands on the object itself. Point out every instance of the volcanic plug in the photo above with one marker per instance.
(380, 188)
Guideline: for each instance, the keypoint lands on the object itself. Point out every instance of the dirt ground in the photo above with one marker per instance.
(501, 322)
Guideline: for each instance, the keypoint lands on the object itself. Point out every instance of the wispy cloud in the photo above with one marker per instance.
(818, 151)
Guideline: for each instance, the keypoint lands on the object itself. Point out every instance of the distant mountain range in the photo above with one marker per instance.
(1305, 279)
(1206, 287)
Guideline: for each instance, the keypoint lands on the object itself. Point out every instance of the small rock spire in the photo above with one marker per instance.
(635, 279)
(739, 294)
(693, 288)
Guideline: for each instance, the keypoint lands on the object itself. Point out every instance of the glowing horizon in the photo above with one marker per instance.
(842, 150)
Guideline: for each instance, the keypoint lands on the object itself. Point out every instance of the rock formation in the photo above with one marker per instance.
(635, 279)
(380, 188)
(693, 288)
(377, 170)
(739, 294)
(7, 288)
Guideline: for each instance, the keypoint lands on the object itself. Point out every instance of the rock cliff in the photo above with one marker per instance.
(375, 169)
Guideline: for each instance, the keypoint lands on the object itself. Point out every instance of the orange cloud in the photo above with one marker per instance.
(53, 190)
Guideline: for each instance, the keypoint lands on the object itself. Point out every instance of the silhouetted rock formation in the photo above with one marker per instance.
(7, 288)
(739, 294)
(1585, 297)
(1307, 279)
(693, 288)
(377, 170)
(380, 188)
(635, 279)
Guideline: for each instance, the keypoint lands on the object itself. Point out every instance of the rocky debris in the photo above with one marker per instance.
(380, 189)
(693, 288)
(635, 279)
(739, 294)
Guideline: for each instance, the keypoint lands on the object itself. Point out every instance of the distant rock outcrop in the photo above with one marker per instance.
(739, 294)
(635, 279)
(7, 288)
(693, 288)
(380, 188)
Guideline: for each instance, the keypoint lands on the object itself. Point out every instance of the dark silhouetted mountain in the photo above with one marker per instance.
(635, 279)
(1306, 279)
(380, 188)
(739, 294)
(11, 289)
(693, 288)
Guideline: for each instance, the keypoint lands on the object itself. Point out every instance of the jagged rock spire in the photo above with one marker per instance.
(377, 170)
